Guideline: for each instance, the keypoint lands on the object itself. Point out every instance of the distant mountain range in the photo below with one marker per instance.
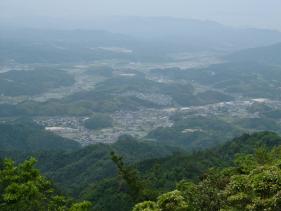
(195, 33)
(130, 38)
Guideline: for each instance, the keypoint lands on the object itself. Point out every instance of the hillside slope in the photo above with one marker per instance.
(268, 55)
(27, 136)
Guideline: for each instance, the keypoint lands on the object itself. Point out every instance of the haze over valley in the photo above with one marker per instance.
(125, 109)
(69, 76)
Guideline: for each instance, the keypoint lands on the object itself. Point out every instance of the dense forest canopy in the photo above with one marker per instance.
(22, 187)
(135, 173)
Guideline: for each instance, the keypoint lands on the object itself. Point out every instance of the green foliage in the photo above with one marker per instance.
(22, 187)
(167, 171)
(146, 206)
(155, 175)
(171, 201)
(259, 187)
(149, 169)
(82, 206)
(206, 194)
(129, 175)
(253, 183)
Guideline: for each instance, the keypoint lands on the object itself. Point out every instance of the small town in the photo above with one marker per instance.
(135, 123)
(139, 123)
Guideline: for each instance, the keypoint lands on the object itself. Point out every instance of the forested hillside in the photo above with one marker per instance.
(27, 136)
(22, 187)
(252, 182)
(140, 171)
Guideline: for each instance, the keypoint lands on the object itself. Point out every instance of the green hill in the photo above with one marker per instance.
(268, 55)
(251, 180)
(33, 82)
(90, 174)
(30, 137)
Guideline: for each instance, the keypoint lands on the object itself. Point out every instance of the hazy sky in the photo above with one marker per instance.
(258, 13)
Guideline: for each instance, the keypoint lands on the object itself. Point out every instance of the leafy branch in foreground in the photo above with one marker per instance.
(254, 183)
(129, 178)
(22, 187)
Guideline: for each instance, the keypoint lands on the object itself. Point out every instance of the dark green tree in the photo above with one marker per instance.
(131, 177)
(253, 184)
(22, 187)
